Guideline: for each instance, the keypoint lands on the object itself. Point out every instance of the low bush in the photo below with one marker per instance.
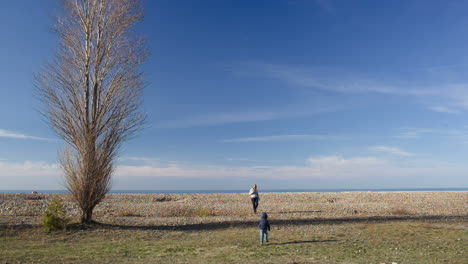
(34, 197)
(400, 211)
(129, 213)
(188, 212)
(164, 198)
(55, 216)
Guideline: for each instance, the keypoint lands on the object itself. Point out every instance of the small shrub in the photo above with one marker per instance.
(400, 211)
(240, 212)
(204, 212)
(164, 198)
(188, 212)
(55, 216)
(34, 197)
(129, 213)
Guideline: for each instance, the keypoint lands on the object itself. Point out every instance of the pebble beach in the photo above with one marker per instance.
(185, 209)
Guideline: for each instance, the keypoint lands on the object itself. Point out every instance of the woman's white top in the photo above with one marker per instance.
(253, 193)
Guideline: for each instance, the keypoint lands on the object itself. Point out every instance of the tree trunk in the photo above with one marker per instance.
(86, 216)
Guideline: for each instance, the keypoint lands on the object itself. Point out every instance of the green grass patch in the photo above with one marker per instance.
(385, 242)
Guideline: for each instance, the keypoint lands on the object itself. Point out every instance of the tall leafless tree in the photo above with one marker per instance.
(92, 92)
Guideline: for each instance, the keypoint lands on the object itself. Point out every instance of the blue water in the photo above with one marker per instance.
(265, 190)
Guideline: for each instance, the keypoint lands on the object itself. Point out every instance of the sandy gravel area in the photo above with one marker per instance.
(185, 209)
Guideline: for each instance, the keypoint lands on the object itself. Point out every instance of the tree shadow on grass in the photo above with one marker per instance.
(301, 242)
(294, 212)
(9, 226)
(250, 223)
(282, 222)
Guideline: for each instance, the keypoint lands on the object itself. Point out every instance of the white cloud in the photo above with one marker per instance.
(337, 167)
(444, 109)
(9, 134)
(148, 161)
(415, 132)
(338, 161)
(145, 160)
(239, 159)
(447, 95)
(283, 137)
(391, 150)
(333, 80)
(316, 167)
(456, 95)
(19, 170)
(221, 118)
(30, 175)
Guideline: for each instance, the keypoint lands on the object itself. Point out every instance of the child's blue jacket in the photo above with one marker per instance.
(264, 224)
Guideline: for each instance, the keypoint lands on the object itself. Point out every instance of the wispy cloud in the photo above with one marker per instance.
(332, 80)
(28, 169)
(145, 160)
(444, 109)
(338, 167)
(210, 119)
(390, 150)
(325, 162)
(442, 94)
(21, 174)
(315, 167)
(150, 161)
(239, 159)
(452, 99)
(457, 97)
(415, 132)
(30, 175)
(10, 134)
(282, 138)
(213, 119)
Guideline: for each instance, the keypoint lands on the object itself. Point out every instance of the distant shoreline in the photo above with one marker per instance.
(264, 191)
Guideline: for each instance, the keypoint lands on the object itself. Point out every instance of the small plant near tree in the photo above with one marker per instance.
(55, 216)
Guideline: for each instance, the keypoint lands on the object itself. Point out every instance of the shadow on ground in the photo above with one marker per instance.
(294, 212)
(300, 242)
(228, 224)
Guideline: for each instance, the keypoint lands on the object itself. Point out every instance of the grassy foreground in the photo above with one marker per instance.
(411, 241)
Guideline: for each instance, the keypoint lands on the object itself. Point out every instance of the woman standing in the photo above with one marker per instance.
(254, 197)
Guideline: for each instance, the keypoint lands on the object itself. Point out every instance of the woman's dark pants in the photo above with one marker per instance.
(254, 203)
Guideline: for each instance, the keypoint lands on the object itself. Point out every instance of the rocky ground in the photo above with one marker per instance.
(190, 209)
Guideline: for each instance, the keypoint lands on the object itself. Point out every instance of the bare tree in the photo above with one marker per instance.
(92, 92)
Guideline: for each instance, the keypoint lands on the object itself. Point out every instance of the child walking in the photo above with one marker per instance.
(264, 227)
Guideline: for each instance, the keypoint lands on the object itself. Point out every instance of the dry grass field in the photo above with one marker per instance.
(355, 227)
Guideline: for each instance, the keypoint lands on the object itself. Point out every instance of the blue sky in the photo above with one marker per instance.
(285, 94)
